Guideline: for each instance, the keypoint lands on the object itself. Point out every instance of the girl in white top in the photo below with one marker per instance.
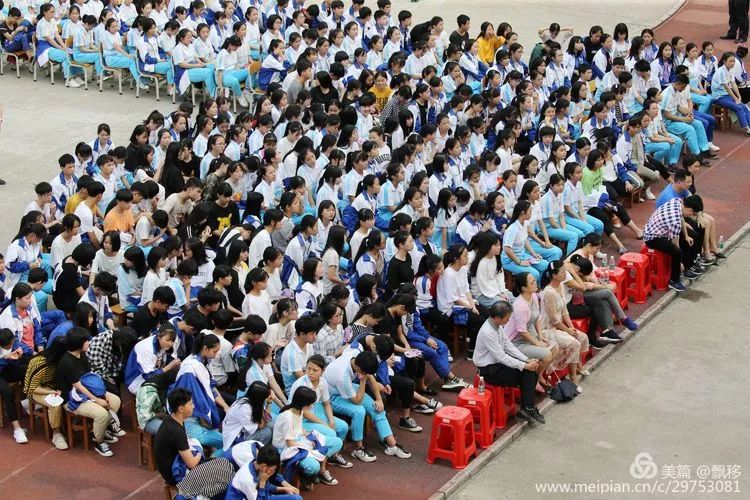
(310, 290)
(159, 14)
(267, 176)
(189, 66)
(252, 35)
(486, 272)
(257, 301)
(366, 220)
(202, 46)
(156, 275)
(333, 250)
(320, 417)
(247, 418)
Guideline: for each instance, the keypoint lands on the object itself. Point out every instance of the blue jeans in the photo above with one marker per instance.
(205, 75)
(535, 269)
(668, 154)
(120, 61)
(548, 254)
(357, 412)
(207, 437)
(438, 358)
(708, 121)
(743, 114)
(341, 427)
(590, 225)
(702, 101)
(61, 57)
(22, 41)
(311, 467)
(570, 237)
(692, 132)
(164, 68)
(233, 78)
(152, 426)
(88, 58)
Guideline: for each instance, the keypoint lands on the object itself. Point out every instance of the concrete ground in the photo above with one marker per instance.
(672, 392)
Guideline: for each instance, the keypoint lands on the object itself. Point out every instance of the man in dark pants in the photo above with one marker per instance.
(738, 21)
(502, 364)
(667, 231)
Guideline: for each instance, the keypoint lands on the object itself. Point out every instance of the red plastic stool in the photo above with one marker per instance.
(661, 267)
(452, 436)
(480, 406)
(637, 276)
(503, 401)
(617, 276)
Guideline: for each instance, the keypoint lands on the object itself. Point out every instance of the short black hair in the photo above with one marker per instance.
(178, 397)
(367, 362)
(165, 295)
(254, 325)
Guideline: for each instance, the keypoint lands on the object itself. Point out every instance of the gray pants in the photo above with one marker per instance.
(603, 302)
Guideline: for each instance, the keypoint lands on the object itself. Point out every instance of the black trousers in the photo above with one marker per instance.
(13, 372)
(472, 328)
(440, 324)
(505, 376)
(403, 389)
(585, 311)
(666, 245)
(738, 18)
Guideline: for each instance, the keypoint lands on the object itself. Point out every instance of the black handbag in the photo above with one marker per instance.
(564, 391)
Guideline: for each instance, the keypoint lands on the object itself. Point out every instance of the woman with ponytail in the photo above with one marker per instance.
(302, 246)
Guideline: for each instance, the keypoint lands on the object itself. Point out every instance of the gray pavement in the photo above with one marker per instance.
(675, 391)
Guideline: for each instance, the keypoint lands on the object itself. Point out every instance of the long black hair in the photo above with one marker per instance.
(483, 243)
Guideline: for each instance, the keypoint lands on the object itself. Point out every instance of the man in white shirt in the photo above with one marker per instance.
(501, 363)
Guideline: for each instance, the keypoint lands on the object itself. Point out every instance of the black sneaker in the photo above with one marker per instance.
(728, 36)
(2, 182)
(109, 437)
(698, 269)
(115, 429)
(612, 335)
(598, 343)
(428, 392)
(325, 477)
(409, 424)
(528, 415)
(710, 155)
(690, 274)
(103, 449)
(339, 461)
(537, 416)
(677, 286)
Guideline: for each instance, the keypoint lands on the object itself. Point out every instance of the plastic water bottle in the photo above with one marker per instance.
(721, 243)
(612, 263)
(605, 275)
(604, 260)
(480, 388)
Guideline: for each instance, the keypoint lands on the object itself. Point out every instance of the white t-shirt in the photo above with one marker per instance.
(61, 248)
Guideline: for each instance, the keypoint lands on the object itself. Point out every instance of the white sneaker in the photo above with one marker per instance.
(650, 195)
(106, 76)
(59, 441)
(25, 406)
(713, 147)
(74, 83)
(242, 101)
(80, 80)
(143, 86)
(398, 451)
(20, 436)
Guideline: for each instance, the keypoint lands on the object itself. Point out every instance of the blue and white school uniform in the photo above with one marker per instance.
(129, 287)
(245, 484)
(45, 52)
(146, 360)
(351, 181)
(515, 237)
(467, 229)
(328, 192)
(85, 38)
(272, 70)
(389, 195)
(601, 65)
(591, 126)
(552, 208)
(419, 251)
(664, 71)
(448, 222)
(11, 320)
(556, 77)
(217, 35)
(150, 60)
(204, 50)
(100, 304)
(19, 256)
(438, 181)
(183, 77)
(195, 377)
(724, 76)
(572, 196)
(322, 396)
(114, 58)
(231, 75)
(294, 359)
(63, 189)
(297, 251)
(308, 296)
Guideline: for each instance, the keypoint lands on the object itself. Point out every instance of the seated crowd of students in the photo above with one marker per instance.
(283, 273)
